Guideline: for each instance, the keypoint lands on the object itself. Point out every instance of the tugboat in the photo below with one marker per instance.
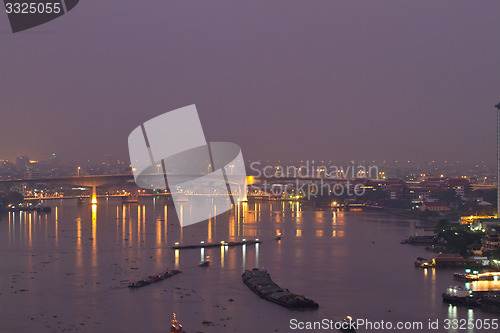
(259, 281)
(176, 327)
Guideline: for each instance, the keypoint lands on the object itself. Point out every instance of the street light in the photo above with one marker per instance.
(79, 171)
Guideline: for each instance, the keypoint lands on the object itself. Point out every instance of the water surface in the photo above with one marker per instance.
(68, 270)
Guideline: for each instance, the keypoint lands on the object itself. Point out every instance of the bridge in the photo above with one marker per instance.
(92, 181)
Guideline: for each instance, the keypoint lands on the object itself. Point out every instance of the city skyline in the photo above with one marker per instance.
(322, 80)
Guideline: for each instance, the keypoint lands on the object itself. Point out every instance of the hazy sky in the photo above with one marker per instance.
(284, 79)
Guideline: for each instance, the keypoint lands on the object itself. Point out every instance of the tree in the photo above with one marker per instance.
(14, 198)
(459, 237)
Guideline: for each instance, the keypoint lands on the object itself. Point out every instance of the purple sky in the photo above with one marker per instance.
(284, 79)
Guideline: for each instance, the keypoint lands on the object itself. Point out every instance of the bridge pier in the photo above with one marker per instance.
(94, 195)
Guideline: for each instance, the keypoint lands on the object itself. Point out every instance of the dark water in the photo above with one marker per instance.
(68, 270)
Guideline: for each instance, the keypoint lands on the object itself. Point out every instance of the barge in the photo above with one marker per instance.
(259, 281)
(178, 246)
(153, 279)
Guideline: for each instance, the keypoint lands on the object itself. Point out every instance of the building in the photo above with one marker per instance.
(488, 225)
(436, 206)
(490, 242)
(426, 193)
(476, 249)
(460, 185)
(448, 260)
(384, 183)
(31, 174)
(396, 191)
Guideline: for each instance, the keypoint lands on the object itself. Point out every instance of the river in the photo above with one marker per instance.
(68, 270)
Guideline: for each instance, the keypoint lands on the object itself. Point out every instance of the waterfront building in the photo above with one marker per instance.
(490, 242)
(436, 206)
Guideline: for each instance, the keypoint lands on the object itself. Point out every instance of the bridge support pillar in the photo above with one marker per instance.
(94, 195)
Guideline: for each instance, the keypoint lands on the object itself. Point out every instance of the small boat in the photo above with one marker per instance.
(204, 263)
(153, 279)
(259, 281)
(347, 325)
(421, 262)
(176, 327)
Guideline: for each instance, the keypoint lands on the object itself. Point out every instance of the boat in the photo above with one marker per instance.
(39, 208)
(178, 246)
(421, 262)
(153, 279)
(346, 325)
(461, 296)
(204, 263)
(465, 276)
(259, 281)
(175, 326)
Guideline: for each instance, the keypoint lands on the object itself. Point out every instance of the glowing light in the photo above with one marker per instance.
(250, 180)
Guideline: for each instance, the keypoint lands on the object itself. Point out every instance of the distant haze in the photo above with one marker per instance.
(284, 79)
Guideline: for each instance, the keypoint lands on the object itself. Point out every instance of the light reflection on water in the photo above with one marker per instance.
(75, 264)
